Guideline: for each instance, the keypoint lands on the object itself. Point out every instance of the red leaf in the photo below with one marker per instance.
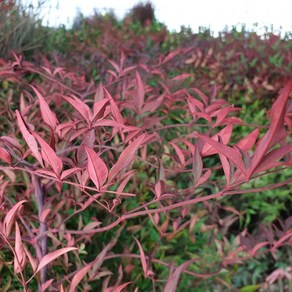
(204, 97)
(197, 165)
(257, 247)
(225, 134)
(116, 112)
(126, 157)
(127, 70)
(171, 55)
(52, 256)
(115, 65)
(3, 186)
(20, 257)
(181, 77)
(248, 141)
(172, 281)
(49, 155)
(46, 285)
(161, 170)
(5, 156)
(69, 172)
(96, 168)
(98, 261)
(222, 114)
(99, 94)
(11, 142)
(226, 168)
(192, 102)
(283, 238)
(88, 141)
(204, 177)
(108, 123)
(79, 276)
(143, 260)
(121, 287)
(151, 106)
(81, 107)
(232, 154)
(123, 184)
(46, 172)
(270, 159)
(29, 139)
(98, 106)
(179, 153)
(48, 116)
(58, 70)
(276, 132)
(10, 218)
(140, 94)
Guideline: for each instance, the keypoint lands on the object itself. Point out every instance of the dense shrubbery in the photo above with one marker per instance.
(20, 28)
(134, 158)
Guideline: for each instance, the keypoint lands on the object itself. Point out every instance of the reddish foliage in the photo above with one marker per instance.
(80, 145)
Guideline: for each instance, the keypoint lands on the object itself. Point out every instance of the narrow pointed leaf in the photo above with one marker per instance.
(88, 140)
(114, 108)
(161, 170)
(181, 77)
(81, 107)
(5, 156)
(248, 141)
(152, 106)
(11, 142)
(226, 168)
(46, 173)
(225, 134)
(126, 157)
(143, 259)
(204, 177)
(270, 160)
(197, 165)
(225, 165)
(171, 55)
(46, 285)
(172, 281)
(222, 114)
(123, 184)
(96, 168)
(99, 94)
(49, 155)
(140, 93)
(29, 138)
(48, 116)
(52, 256)
(115, 65)
(98, 106)
(98, 261)
(121, 287)
(69, 172)
(232, 154)
(79, 276)
(10, 218)
(116, 112)
(108, 123)
(276, 132)
(20, 256)
(204, 97)
(179, 153)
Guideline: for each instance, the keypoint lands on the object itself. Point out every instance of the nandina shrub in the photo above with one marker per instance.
(98, 179)
(243, 65)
